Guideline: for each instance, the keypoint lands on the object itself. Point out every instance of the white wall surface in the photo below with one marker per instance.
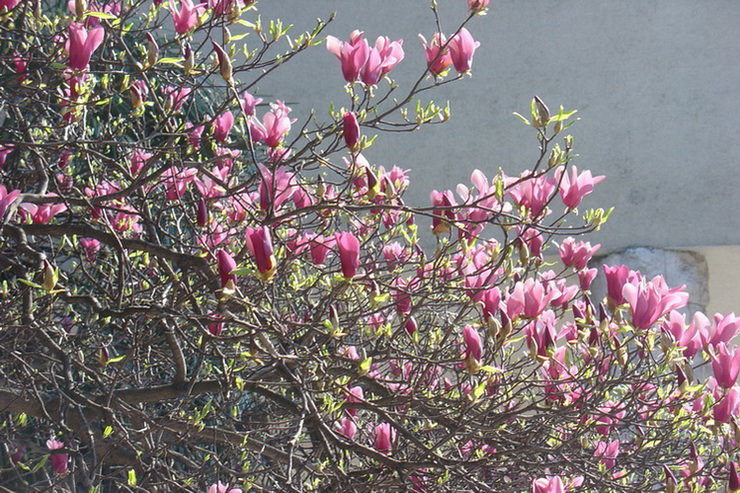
(655, 82)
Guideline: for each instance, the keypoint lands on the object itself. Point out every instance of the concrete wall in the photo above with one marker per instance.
(655, 82)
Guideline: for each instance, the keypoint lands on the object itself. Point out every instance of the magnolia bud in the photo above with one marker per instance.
(506, 328)
(334, 316)
(411, 326)
(224, 64)
(152, 51)
(494, 326)
(541, 113)
(558, 127)
(51, 276)
(351, 130)
(136, 100)
(202, 215)
(670, 480)
(372, 183)
(80, 8)
(472, 364)
(103, 356)
(189, 59)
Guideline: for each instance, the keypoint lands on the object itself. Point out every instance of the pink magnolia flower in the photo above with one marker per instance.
(534, 193)
(259, 243)
(222, 125)
(395, 254)
(689, 337)
(249, 103)
(473, 348)
(607, 452)
(726, 365)
(274, 126)
(275, 187)
(533, 240)
(350, 130)
(723, 329)
(347, 428)
(19, 62)
(186, 18)
(211, 184)
(411, 326)
(616, 278)
(176, 181)
(82, 43)
(5, 151)
(733, 484)
(6, 198)
(381, 59)
(8, 5)
(727, 407)
(352, 55)
(175, 97)
(478, 5)
(462, 47)
(354, 394)
(391, 52)
(576, 254)
(586, 277)
(551, 484)
(139, 158)
(651, 300)
(195, 134)
(221, 7)
(216, 327)
(438, 59)
(40, 213)
(385, 435)
(576, 186)
(528, 298)
(91, 247)
(113, 8)
(226, 265)
(490, 300)
(318, 246)
(443, 202)
(541, 334)
(222, 488)
(58, 461)
(349, 253)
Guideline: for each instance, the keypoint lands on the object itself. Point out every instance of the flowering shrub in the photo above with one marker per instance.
(202, 293)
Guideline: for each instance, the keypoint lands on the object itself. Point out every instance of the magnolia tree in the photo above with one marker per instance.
(200, 293)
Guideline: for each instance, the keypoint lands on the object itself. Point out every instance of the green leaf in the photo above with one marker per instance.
(171, 61)
(562, 116)
(526, 122)
(29, 283)
(131, 477)
(102, 15)
(116, 359)
(365, 366)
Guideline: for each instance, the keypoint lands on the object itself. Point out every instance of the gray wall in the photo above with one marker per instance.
(656, 83)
